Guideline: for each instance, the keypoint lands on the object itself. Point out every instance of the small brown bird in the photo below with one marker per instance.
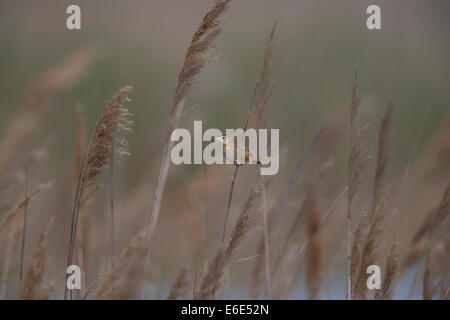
(233, 152)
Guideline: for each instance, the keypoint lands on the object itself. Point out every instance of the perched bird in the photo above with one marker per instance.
(232, 154)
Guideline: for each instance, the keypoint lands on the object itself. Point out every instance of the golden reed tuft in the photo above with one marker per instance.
(109, 133)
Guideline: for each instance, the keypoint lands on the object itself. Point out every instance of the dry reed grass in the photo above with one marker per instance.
(197, 55)
(357, 161)
(32, 286)
(195, 59)
(180, 285)
(285, 209)
(315, 248)
(109, 131)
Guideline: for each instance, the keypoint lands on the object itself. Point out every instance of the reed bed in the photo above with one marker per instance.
(292, 235)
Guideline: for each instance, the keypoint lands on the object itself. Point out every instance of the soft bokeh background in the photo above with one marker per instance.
(318, 47)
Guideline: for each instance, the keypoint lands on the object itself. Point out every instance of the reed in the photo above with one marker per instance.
(31, 287)
(180, 285)
(195, 59)
(356, 165)
(197, 55)
(26, 121)
(110, 129)
(382, 155)
(275, 240)
(371, 250)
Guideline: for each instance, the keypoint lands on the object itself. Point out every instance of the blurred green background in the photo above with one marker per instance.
(319, 44)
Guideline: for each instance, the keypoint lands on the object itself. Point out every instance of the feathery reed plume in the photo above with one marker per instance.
(242, 224)
(197, 52)
(358, 242)
(369, 254)
(114, 122)
(357, 156)
(31, 195)
(382, 155)
(197, 272)
(418, 242)
(211, 278)
(111, 197)
(26, 120)
(110, 129)
(195, 59)
(197, 55)
(266, 84)
(180, 285)
(356, 166)
(124, 276)
(315, 249)
(30, 289)
(358, 258)
(387, 287)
